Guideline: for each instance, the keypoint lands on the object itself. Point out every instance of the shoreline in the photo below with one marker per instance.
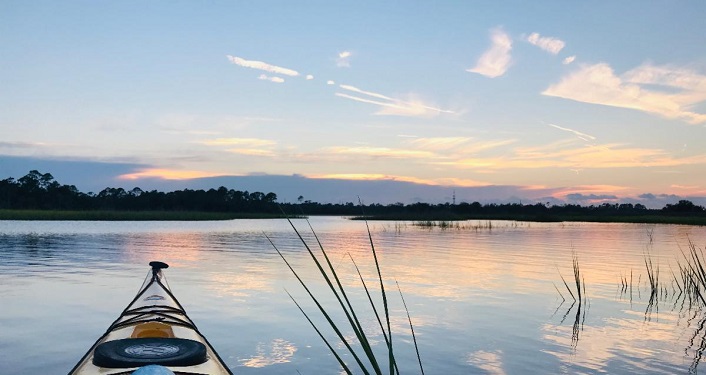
(440, 220)
(60, 215)
(422, 219)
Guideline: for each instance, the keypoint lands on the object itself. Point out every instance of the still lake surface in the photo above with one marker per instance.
(484, 298)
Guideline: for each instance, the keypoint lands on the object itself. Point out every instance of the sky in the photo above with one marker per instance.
(577, 102)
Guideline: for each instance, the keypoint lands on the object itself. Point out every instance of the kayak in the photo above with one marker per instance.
(153, 335)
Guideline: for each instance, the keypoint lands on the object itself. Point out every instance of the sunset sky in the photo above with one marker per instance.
(597, 100)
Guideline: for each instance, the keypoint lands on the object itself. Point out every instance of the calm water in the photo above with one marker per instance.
(483, 299)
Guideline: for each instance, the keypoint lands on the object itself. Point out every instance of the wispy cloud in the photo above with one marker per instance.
(265, 77)
(570, 155)
(583, 136)
(252, 142)
(496, 60)
(569, 60)
(599, 156)
(379, 152)
(343, 59)
(410, 106)
(262, 66)
(252, 152)
(686, 187)
(668, 77)
(439, 143)
(669, 92)
(546, 43)
(245, 146)
(458, 145)
(309, 77)
(21, 145)
(368, 93)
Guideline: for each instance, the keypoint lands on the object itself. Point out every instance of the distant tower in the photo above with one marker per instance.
(454, 197)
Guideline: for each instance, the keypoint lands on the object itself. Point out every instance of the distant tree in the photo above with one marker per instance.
(683, 206)
(135, 192)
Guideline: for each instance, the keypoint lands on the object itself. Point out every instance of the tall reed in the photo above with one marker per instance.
(367, 362)
(579, 297)
(578, 280)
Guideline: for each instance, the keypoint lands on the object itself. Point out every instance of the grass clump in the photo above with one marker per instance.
(367, 362)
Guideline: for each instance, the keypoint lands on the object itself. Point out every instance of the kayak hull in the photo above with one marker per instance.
(152, 330)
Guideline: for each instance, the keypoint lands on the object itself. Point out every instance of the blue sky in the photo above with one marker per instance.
(568, 100)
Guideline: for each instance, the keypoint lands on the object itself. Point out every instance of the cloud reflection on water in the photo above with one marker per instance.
(267, 354)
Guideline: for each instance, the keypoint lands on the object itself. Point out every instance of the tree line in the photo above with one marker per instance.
(41, 191)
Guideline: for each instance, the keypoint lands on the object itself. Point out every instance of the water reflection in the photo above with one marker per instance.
(579, 320)
(490, 362)
(267, 354)
(481, 299)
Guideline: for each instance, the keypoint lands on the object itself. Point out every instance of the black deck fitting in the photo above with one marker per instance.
(158, 265)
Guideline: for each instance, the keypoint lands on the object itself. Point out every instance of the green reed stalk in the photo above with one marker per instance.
(652, 274)
(352, 317)
(561, 295)
(384, 301)
(411, 328)
(577, 276)
(338, 358)
(347, 308)
(566, 285)
(323, 312)
(370, 299)
(696, 274)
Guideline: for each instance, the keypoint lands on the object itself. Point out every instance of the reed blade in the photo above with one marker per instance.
(321, 309)
(355, 325)
(370, 299)
(566, 285)
(384, 299)
(411, 328)
(352, 316)
(333, 351)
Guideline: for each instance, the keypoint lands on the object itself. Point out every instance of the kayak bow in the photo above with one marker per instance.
(153, 335)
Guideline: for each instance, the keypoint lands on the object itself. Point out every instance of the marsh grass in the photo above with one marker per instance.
(652, 276)
(685, 287)
(626, 284)
(578, 280)
(694, 273)
(458, 225)
(580, 300)
(368, 362)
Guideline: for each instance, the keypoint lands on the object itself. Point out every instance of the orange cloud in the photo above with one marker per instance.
(380, 152)
(239, 141)
(566, 154)
(689, 189)
(251, 152)
(167, 174)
